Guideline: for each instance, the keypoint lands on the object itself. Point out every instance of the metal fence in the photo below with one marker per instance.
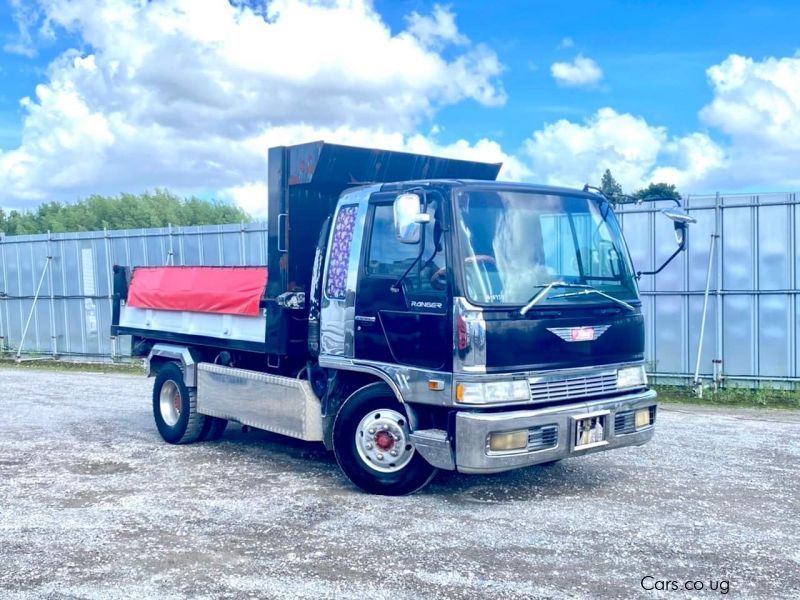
(750, 326)
(55, 290)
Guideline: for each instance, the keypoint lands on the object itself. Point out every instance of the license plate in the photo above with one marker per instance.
(591, 431)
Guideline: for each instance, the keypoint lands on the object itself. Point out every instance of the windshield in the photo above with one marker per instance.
(513, 243)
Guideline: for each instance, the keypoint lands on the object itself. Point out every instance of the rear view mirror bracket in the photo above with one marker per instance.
(420, 220)
(681, 220)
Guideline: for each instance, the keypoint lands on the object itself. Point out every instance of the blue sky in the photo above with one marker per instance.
(487, 88)
(654, 55)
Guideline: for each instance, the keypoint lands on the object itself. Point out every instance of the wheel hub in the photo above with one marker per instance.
(383, 442)
(170, 403)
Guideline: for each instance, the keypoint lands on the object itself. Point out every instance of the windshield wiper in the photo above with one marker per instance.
(585, 289)
(546, 290)
(591, 290)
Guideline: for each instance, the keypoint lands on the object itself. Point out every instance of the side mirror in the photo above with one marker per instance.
(408, 217)
(681, 219)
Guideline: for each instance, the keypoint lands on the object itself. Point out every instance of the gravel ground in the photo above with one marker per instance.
(94, 504)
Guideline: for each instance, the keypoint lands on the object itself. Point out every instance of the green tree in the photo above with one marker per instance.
(610, 186)
(658, 190)
(126, 211)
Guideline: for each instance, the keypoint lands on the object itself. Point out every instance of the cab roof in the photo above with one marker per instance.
(504, 185)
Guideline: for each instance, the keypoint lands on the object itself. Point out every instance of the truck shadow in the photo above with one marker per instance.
(592, 476)
(564, 479)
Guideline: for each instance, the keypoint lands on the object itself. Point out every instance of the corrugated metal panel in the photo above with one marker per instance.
(752, 310)
(72, 315)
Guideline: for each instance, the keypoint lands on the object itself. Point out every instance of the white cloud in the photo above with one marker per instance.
(190, 96)
(182, 94)
(581, 72)
(566, 43)
(436, 30)
(572, 154)
(252, 195)
(25, 15)
(757, 104)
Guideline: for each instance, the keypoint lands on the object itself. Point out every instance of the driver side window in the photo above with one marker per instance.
(390, 258)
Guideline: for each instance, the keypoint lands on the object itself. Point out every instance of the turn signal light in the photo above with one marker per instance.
(642, 418)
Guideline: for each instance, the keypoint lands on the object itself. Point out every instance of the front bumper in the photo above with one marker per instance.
(472, 430)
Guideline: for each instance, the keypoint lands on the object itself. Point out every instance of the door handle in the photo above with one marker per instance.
(367, 319)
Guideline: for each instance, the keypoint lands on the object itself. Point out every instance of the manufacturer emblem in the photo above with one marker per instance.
(579, 334)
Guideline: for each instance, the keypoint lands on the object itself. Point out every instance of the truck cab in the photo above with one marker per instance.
(413, 324)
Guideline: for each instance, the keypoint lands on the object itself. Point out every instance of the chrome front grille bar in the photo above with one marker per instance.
(549, 389)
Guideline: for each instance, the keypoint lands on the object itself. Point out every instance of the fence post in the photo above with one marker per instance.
(2, 293)
(53, 335)
(792, 284)
(243, 260)
(171, 251)
(720, 337)
(697, 384)
(33, 308)
(109, 283)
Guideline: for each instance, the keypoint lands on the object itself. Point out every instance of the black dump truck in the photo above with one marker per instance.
(414, 315)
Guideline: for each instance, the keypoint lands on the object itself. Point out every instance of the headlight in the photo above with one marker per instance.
(630, 377)
(492, 392)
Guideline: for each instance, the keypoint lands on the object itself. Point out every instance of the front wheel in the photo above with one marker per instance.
(372, 444)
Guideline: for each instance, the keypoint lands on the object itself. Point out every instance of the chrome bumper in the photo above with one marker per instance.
(473, 429)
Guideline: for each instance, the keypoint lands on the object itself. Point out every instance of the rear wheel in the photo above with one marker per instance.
(175, 407)
(371, 440)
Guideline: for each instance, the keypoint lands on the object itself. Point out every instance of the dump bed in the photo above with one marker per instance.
(219, 307)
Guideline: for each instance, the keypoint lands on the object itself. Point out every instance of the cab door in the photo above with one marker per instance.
(403, 322)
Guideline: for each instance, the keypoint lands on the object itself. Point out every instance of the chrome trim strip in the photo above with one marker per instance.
(348, 364)
(409, 384)
(555, 373)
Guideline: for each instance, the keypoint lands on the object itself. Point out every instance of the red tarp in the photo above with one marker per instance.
(228, 290)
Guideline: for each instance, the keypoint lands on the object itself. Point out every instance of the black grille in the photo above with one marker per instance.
(542, 437)
(624, 422)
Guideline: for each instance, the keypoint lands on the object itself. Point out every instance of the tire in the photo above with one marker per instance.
(362, 459)
(213, 429)
(175, 407)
